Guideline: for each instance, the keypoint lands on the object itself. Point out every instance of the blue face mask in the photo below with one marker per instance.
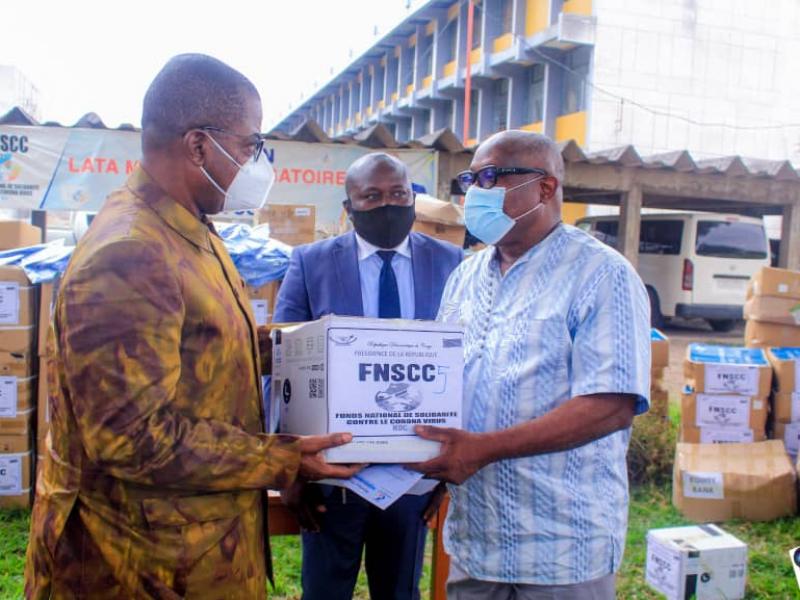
(483, 212)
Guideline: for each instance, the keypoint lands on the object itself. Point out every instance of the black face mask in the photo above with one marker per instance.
(385, 226)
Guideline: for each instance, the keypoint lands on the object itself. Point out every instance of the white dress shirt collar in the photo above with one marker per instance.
(365, 249)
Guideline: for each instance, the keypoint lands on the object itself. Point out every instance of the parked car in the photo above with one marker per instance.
(694, 265)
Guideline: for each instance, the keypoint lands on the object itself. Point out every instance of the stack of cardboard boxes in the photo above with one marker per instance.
(292, 224)
(786, 398)
(18, 315)
(726, 400)
(772, 309)
(659, 360)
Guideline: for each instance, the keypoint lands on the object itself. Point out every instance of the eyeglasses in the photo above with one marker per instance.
(487, 176)
(255, 140)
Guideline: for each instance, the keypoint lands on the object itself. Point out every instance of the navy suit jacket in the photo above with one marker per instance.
(323, 278)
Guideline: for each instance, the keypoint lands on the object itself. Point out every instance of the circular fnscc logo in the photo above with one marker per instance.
(287, 391)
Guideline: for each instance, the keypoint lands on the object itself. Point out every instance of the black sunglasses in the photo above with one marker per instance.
(486, 177)
(255, 139)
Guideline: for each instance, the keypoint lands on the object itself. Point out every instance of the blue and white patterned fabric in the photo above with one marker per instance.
(571, 317)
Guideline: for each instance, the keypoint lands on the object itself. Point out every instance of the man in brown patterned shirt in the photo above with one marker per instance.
(153, 482)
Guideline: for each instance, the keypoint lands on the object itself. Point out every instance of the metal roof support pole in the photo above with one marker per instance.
(39, 219)
(630, 213)
(789, 257)
(468, 78)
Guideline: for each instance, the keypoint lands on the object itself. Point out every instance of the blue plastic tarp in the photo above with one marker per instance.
(258, 258)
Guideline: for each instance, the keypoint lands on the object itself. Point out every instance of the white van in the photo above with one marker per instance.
(695, 265)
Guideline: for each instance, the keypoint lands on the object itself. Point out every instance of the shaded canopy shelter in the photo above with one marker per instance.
(675, 181)
(622, 177)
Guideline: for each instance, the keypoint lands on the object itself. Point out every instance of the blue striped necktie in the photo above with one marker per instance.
(388, 296)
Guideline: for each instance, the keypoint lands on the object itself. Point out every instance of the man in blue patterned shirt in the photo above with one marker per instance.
(557, 364)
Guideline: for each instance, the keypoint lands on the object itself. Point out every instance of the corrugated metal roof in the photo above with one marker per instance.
(444, 140)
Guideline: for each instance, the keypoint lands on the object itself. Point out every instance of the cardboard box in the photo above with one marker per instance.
(786, 368)
(770, 281)
(14, 444)
(292, 224)
(719, 435)
(21, 424)
(702, 562)
(769, 309)
(716, 482)
(764, 335)
(18, 234)
(789, 434)
(15, 471)
(16, 395)
(440, 219)
(18, 298)
(18, 340)
(659, 353)
(262, 301)
(727, 370)
(724, 410)
(19, 364)
(786, 407)
(448, 233)
(374, 378)
(47, 298)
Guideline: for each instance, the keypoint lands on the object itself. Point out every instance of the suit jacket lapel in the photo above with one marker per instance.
(345, 257)
(422, 270)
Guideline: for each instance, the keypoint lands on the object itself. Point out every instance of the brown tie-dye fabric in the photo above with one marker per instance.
(152, 484)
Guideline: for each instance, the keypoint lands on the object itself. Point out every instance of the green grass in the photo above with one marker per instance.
(14, 527)
(286, 553)
(770, 573)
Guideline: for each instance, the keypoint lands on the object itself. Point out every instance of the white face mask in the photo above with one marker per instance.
(250, 186)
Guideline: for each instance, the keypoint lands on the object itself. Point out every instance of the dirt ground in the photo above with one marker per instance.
(681, 333)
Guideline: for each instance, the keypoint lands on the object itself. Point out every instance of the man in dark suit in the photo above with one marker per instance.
(379, 270)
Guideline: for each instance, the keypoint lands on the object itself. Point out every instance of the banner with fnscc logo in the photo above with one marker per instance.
(54, 168)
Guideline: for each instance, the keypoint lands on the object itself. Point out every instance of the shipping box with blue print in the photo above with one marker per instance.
(726, 398)
(786, 398)
(374, 378)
